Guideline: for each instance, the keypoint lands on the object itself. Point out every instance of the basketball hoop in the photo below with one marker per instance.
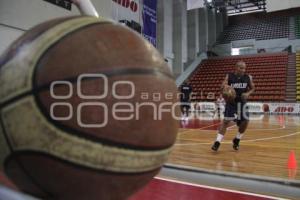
(86, 7)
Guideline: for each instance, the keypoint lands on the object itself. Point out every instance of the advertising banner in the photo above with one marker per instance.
(150, 20)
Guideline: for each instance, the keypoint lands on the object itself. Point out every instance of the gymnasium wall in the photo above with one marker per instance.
(203, 30)
(275, 45)
(179, 37)
(193, 41)
(275, 5)
(212, 35)
(183, 35)
(17, 16)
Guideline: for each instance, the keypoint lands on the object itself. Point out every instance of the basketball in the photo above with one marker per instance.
(78, 117)
(229, 94)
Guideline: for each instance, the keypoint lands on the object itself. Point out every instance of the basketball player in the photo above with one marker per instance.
(236, 110)
(186, 91)
(220, 104)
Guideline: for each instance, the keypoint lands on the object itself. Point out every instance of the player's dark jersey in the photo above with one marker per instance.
(186, 90)
(240, 84)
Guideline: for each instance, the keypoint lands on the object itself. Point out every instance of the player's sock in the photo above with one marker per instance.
(239, 135)
(219, 137)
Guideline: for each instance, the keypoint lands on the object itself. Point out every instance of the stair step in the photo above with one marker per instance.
(290, 96)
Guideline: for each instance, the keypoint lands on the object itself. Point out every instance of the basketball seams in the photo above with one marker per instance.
(15, 72)
(5, 148)
(69, 147)
(27, 37)
(72, 131)
(72, 80)
(20, 153)
(5, 157)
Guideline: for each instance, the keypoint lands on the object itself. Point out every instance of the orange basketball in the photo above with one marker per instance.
(78, 119)
(229, 93)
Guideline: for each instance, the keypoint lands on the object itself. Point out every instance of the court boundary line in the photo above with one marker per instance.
(252, 140)
(230, 127)
(219, 189)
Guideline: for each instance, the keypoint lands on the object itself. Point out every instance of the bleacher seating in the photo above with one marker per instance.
(269, 72)
(259, 26)
(298, 76)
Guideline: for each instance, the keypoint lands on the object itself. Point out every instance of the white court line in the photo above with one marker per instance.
(230, 127)
(267, 129)
(262, 129)
(253, 140)
(209, 126)
(200, 129)
(186, 131)
(219, 189)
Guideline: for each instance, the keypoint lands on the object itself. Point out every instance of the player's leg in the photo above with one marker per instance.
(182, 107)
(228, 116)
(188, 107)
(220, 134)
(242, 128)
(242, 123)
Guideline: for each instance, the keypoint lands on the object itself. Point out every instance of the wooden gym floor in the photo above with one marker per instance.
(269, 148)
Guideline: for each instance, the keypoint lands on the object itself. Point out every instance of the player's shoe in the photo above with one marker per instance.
(236, 144)
(216, 146)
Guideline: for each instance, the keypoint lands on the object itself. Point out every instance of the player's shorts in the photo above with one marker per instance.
(236, 112)
(186, 105)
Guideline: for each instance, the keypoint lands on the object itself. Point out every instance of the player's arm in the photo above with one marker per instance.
(224, 83)
(251, 88)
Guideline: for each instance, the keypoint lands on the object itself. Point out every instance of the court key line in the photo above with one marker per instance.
(201, 129)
